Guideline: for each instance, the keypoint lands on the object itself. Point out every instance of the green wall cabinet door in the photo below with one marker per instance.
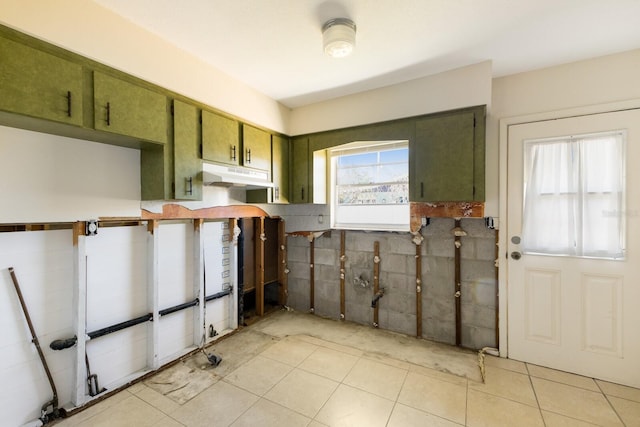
(186, 152)
(256, 144)
(220, 139)
(300, 171)
(37, 84)
(126, 109)
(279, 175)
(280, 168)
(447, 158)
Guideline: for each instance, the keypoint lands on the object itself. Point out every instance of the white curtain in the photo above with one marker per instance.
(574, 196)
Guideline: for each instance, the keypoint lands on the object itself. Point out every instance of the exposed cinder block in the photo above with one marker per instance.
(298, 270)
(438, 227)
(404, 323)
(480, 292)
(467, 248)
(472, 270)
(438, 266)
(326, 257)
(438, 330)
(361, 241)
(400, 302)
(299, 254)
(327, 273)
(399, 282)
(476, 227)
(328, 241)
(486, 249)
(442, 246)
(477, 337)
(394, 263)
(398, 243)
(477, 315)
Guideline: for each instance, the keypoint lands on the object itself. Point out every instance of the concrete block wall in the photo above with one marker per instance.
(397, 308)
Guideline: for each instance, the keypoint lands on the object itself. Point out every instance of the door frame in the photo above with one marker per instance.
(503, 133)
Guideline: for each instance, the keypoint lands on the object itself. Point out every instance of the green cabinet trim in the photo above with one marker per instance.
(300, 168)
(187, 177)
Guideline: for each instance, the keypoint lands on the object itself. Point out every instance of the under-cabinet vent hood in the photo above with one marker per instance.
(236, 176)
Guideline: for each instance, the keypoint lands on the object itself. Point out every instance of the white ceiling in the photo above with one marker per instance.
(275, 46)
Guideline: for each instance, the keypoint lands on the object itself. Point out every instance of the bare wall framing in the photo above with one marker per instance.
(399, 274)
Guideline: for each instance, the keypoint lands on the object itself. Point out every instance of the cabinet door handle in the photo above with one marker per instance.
(108, 114)
(189, 186)
(422, 189)
(248, 155)
(68, 103)
(233, 152)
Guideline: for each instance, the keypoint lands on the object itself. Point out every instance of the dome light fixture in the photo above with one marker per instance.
(339, 37)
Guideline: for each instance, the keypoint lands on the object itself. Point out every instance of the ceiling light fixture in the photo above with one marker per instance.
(339, 37)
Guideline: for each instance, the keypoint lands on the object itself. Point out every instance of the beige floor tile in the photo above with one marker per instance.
(302, 391)
(493, 411)
(439, 375)
(349, 406)
(563, 377)
(155, 399)
(508, 384)
(333, 346)
(628, 410)
(441, 398)
(618, 390)
(377, 378)
(95, 409)
(388, 361)
(556, 420)
(268, 414)
(258, 375)
(574, 402)
(219, 405)
(132, 411)
(289, 351)
(168, 422)
(315, 423)
(405, 416)
(329, 363)
(504, 363)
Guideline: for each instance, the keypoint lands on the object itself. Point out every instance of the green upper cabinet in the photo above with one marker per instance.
(37, 84)
(126, 109)
(447, 157)
(187, 177)
(300, 191)
(256, 144)
(280, 168)
(220, 139)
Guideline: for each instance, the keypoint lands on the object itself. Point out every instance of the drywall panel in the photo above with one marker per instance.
(175, 286)
(43, 265)
(89, 29)
(117, 292)
(462, 87)
(47, 178)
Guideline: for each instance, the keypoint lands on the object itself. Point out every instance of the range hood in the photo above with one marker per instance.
(235, 176)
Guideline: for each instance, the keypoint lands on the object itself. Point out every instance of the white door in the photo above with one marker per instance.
(572, 312)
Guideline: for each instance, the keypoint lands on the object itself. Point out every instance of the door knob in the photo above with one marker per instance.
(516, 255)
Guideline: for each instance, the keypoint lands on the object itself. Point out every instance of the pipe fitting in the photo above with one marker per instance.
(377, 297)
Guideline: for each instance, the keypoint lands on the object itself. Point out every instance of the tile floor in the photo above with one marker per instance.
(299, 370)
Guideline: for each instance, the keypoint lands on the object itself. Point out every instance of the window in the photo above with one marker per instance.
(574, 196)
(369, 184)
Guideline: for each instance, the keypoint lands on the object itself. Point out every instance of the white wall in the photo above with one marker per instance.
(601, 80)
(86, 28)
(463, 87)
(47, 178)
